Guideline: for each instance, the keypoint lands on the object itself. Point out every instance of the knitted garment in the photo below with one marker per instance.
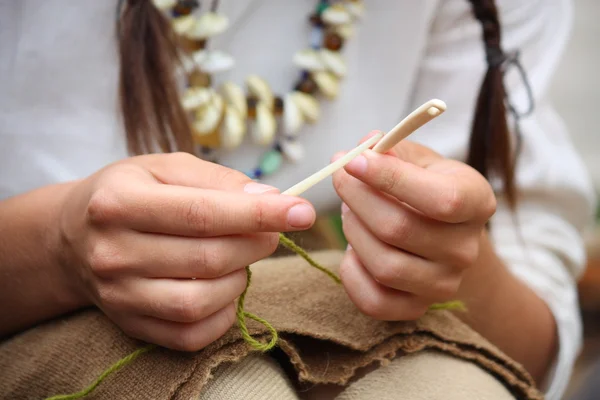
(313, 316)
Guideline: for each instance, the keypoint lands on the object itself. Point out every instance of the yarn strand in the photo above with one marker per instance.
(241, 316)
(128, 359)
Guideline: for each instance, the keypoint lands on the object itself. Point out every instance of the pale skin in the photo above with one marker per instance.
(129, 238)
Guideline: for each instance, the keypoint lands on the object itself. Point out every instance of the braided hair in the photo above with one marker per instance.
(154, 118)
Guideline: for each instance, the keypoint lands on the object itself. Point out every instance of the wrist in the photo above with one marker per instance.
(69, 289)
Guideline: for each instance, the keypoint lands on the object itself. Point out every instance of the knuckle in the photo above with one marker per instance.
(104, 206)
(389, 180)
(466, 253)
(210, 260)
(386, 269)
(107, 294)
(188, 308)
(452, 203)
(105, 260)
(490, 206)
(397, 230)
(258, 215)
(446, 289)
(197, 215)
(373, 306)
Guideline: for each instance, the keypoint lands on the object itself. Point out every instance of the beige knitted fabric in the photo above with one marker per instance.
(257, 377)
(427, 375)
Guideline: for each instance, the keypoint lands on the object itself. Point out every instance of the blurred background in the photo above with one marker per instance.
(576, 94)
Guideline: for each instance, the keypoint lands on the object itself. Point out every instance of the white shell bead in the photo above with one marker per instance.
(182, 25)
(264, 126)
(308, 59)
(292, 117)
(328, 84)
(164, 4)
(233, 129)
(334, 62)
(216, 61)
(292, 150)
(209, 116)
(336, 15)
(259, 88)
(196, 97)
(308, 106)
(235, 97)
(346, 31)
(208, 25)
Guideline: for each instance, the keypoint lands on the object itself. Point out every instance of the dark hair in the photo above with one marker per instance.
(154, 118)
(490, 144)
(150, 101)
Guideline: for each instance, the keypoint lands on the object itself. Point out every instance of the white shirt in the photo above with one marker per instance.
(59, 113)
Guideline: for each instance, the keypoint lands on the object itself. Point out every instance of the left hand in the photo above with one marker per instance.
(414, 221)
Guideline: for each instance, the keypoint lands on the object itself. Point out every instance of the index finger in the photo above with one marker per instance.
(458, 194)
(194, 212)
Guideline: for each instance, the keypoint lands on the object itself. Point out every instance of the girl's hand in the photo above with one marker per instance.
(414, 222)
(136, 233)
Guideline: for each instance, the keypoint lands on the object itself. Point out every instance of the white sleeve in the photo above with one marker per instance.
(545, 248)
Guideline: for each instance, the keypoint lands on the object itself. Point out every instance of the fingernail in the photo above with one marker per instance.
(358, 166)
(349, 247)
(301, 216)
(257, 188)
(345, 208)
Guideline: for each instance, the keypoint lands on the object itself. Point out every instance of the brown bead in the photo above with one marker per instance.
(307, 85)
(278, 106)
(210, 140)
(316, 20)
(251, 103)
(198, 78)
(333, 41)
(185, 7)
(191, 45)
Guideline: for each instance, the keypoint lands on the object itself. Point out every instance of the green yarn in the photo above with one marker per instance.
(289, 244)
(241, 319)
(241, 316)
(453, 305)
(113, 368)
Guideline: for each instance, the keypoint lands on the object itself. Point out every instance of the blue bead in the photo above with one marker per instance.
(316, 37)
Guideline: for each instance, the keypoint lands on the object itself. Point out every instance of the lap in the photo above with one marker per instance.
(423, 375)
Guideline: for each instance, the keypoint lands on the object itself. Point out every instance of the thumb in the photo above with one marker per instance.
(184, 169)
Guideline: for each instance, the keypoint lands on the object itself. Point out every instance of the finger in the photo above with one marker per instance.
(186, 211)
(397, 269)
(447, 191)
(163, 256)
(400, 226)
(176, 335)
(373, 299)
(183, 169)
(175, 300)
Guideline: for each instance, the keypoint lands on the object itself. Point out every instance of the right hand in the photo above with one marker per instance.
(134, 234)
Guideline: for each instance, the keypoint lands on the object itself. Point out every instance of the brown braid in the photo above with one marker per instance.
(154, 117)
(490, 143)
